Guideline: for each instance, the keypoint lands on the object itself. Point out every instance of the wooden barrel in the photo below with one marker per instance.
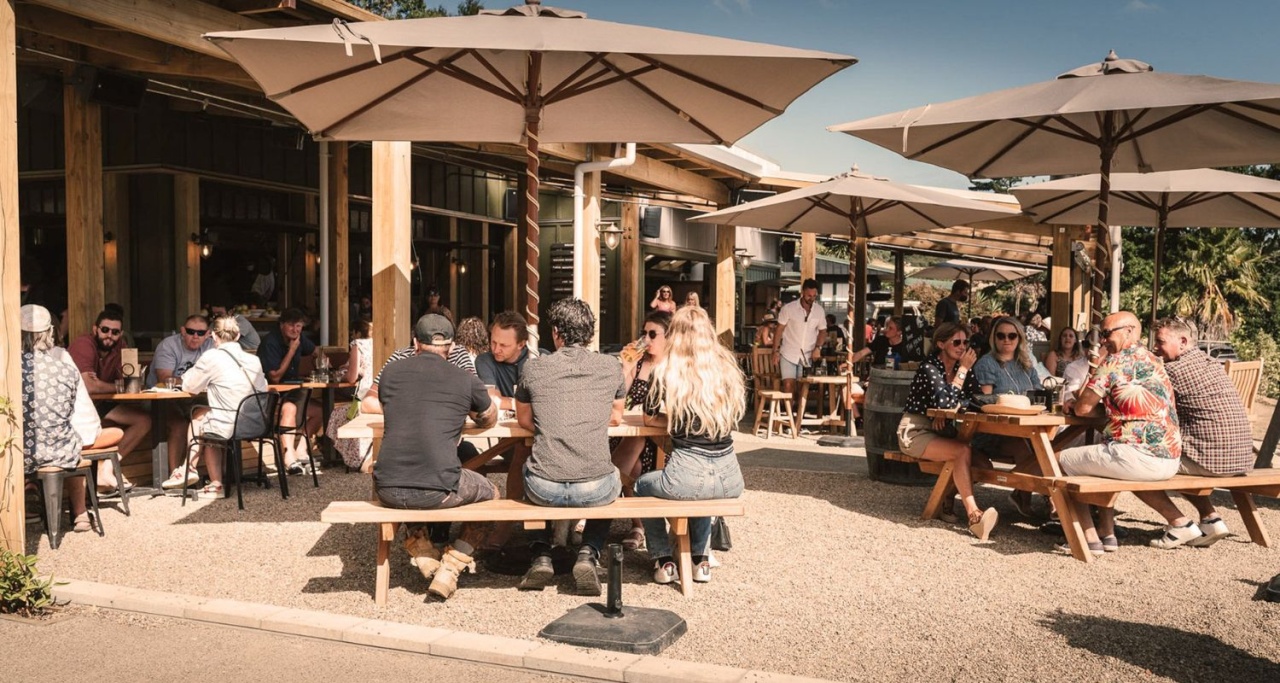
(887, 392)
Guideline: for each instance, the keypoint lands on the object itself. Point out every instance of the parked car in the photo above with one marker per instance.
(1220, 351)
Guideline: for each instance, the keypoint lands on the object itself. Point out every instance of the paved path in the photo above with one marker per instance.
(106, 646)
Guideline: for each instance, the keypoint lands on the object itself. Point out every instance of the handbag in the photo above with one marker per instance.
(353, 410)
(720, 538)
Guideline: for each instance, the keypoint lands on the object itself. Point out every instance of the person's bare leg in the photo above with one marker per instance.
(501, 532)
(1164, 506)
(179, 426)
(315, 421)
(626, 457)
(288, 419)
(958, 454)
(1086, 522)
(212, 464)
(107, 437)
(1106, 522)
(135, 423)
(74, 489)
(789, 386)
(1203, 505)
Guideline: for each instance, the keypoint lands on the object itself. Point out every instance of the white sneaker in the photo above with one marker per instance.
(175, 479)
(1213, 532)
(1175, 536)
(711, 560)
(702, 572)
(666, 573)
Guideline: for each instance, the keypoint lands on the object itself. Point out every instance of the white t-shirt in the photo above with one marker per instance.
(802, 329)
(84, 419)
(1076, 374)
(229, 375)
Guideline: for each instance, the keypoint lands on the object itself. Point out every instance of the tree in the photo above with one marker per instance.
(997, 185)
(1216, 274)
(415, 9)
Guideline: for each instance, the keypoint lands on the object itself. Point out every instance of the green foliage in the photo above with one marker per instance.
(997, 185)
(22, 591)
(1259, 344)
(415, 9)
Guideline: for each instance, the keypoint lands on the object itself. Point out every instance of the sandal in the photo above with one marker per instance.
(634, 540)
(82, 523)
(211, 491)
(1110, 544)
(981, 522)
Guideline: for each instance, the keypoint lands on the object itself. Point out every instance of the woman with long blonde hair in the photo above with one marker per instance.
(700, 389)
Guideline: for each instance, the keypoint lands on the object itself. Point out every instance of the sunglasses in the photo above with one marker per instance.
(652, 334)
(1106, 334)
(959, 342)
(1003, 336)
(113, 331)
(195, 333)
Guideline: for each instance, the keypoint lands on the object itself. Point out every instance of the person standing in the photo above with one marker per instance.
(699, 388)
(1142, 441)
(426, 401)
(1216, 439)
(569, 399)
(948, 308)
(663, 300)
(802, 327)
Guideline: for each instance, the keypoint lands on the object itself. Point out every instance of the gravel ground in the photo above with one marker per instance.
(831, 575)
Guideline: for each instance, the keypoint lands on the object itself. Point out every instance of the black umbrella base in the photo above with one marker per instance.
(638, 630)
(1273, 589)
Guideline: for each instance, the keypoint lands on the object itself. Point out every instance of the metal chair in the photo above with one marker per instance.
(300, 397)
(256, 423)
(49, 490)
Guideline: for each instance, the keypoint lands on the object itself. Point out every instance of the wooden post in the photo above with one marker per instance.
(858, 282)
(338, 268)
(186, 222)
(808, 256)
(899, 284)
(453, 269)
(485, 273)
(631, 295)
(511, 260)
(116, 261)
(392, 237)
(1060, 264)
(82, 132)
(591, 249)
(726, 289)
(12, 512)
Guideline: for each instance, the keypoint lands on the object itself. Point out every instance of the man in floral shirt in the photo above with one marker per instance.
(1142, 441)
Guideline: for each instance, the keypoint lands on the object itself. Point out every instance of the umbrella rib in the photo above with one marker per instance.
(1139, 198)
(921, 214)
(554, 93)
(447, 68)
(742, 97)
(1195, 198)
(1248, 119)
(1254, 205)
(587, 86)
(329, 78)
(1176, 117)
(511, 88)
(376, 101)
(664, 102)
(1067, 209)
(815, 203)
(1031, 128)
(952, 138)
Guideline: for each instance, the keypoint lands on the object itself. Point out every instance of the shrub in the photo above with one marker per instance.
(22, 591)
(1257, 345)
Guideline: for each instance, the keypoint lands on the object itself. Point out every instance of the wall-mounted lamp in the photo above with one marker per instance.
(108, 237)
(461, 265)
(202, 240)
(610, 233)
(743, 258)
(315, 251)
(413, 263)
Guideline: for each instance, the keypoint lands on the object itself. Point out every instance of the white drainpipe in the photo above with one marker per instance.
(579, 203)
(1117, 265)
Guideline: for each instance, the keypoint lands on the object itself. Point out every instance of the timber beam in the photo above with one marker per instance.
(169, 21)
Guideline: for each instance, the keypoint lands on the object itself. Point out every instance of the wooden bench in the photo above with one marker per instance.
(677, 512)
(1104, 492)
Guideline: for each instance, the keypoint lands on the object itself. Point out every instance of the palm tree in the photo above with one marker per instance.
(1214, 273)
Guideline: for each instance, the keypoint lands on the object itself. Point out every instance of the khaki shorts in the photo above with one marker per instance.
(1116, 461)
(915, 433)
(1189, 466)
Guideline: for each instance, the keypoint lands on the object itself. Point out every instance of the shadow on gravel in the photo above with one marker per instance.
(1167, 652)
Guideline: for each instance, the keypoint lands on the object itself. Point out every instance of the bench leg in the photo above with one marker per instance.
(1249, 513)
(943, 491)
(1065, 506)
(386, 534)
(680, 528)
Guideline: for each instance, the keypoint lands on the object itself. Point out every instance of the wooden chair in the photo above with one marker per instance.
(768, 395)
(1246, 376)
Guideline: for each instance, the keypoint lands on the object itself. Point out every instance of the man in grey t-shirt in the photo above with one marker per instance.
(568, 399)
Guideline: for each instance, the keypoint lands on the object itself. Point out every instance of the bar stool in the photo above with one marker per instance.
(51, 480)
(96, 455)
(778, 404)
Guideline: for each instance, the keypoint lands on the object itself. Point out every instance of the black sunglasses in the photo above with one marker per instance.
(652, 334)
(959, 342)
(1003, 336)
(113, 331)
(195, 333)
(1106, 334)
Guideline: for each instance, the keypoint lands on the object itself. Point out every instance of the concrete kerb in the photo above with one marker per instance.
(529, 655)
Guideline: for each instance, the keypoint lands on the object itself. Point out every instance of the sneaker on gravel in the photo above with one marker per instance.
(665, 573)
(702, 572)
(540, 573)
(584, 572)
(1175, 536)
(711, 559)
(175, 479)
(1214, 530)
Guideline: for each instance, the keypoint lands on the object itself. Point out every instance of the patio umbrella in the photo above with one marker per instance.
(1117, 115)
(1174, 199)
(528, 74)
(974, 271)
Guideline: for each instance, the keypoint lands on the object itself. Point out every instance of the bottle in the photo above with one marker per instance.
(893, 360)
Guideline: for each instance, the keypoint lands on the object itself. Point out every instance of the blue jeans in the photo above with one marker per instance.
(690, 474)
(573, 494)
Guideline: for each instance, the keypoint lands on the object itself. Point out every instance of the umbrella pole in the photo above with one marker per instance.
(1159, 261)
(532, 119)
(1107, 150)
(857, 302)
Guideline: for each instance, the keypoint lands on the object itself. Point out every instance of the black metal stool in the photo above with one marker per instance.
(49, 490)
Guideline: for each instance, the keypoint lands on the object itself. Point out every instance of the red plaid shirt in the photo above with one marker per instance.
(1215, 427)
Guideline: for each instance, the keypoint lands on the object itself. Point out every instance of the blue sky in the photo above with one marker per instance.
(916, 52)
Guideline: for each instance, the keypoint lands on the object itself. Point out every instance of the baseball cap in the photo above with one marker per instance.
(36, 318)
(433, 329)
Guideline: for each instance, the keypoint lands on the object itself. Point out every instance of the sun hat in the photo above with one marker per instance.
(36, 318)
(1013, 404)
(433, 329)
(768, 318)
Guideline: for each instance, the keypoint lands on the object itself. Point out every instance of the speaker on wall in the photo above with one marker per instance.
(651, 222)
(114, 89)
(510, 203)
(787, 250)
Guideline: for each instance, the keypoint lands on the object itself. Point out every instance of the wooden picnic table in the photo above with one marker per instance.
(1040, 430)
(156, 399)
(831, 413)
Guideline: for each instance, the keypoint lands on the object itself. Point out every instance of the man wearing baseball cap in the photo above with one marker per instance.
(426, 401)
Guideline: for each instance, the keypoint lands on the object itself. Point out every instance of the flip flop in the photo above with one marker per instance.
(634, 540)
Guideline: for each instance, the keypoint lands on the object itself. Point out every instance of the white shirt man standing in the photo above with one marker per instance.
(802, 327)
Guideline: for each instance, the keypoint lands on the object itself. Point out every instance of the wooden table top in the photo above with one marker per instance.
(825, 379)
(153, 395)
(312, 385)
(1041, 420)
(368, 425)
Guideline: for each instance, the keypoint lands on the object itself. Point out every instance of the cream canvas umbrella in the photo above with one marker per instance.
(1173, 199)
(1116, 115)
(974, 271)
(526, 75)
